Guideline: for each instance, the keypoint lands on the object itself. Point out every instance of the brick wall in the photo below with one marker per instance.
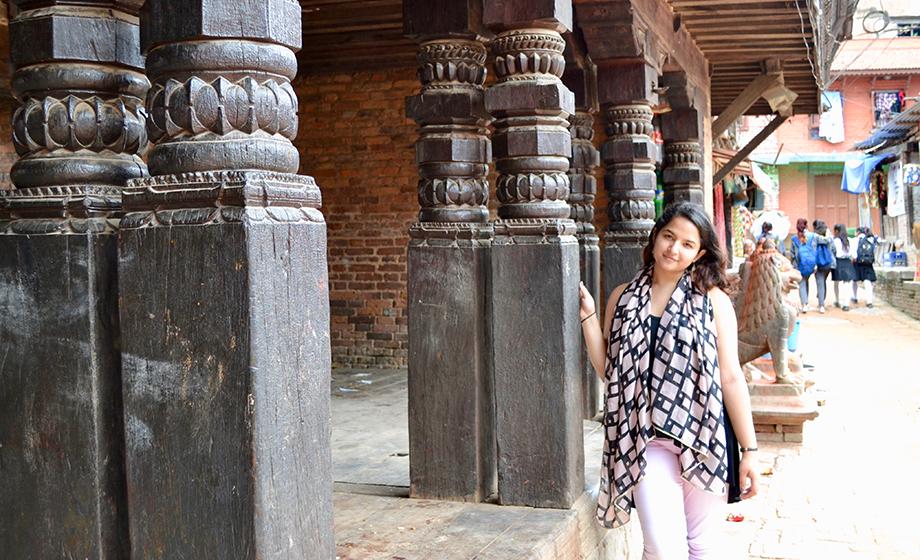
(902, 295)
(355, 140)
(794, 192)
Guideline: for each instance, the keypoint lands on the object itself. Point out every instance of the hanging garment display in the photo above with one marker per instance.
(910, 176)
(896, 205)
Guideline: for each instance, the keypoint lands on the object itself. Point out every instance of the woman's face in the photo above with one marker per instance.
(677, 245)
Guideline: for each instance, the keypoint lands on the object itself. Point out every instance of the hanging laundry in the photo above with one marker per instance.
(831, 123)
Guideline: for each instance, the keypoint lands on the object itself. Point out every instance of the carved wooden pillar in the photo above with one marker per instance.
(451, 414)
(224, 302)
(682, 130)
(583, 184)
(627, 95)
(79, 134)
(535, 270)
(683, 172)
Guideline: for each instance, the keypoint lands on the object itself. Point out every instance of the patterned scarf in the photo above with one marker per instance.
(677, 392)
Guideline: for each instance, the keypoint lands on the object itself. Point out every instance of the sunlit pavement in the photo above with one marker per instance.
(851, 490)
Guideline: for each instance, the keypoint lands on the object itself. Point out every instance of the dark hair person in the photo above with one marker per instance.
(824, 261)
(663, 438)
(845, 271)
(804, 256)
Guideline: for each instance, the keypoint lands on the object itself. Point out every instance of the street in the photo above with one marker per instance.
(850, 491)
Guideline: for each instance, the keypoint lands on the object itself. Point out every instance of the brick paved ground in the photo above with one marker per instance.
(851, 490)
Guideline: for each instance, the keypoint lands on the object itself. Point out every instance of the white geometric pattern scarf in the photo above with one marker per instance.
(679, 394)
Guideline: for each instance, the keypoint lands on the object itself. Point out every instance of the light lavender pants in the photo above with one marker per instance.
(679, 521)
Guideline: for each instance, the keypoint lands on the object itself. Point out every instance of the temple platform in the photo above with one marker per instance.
(375, 518)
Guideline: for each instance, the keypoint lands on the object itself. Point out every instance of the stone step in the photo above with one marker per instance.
(781, 411)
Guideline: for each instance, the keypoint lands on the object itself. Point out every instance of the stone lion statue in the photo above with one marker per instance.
(765, 319)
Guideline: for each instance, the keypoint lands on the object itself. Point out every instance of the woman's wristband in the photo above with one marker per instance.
(746, 449)
(593, 313)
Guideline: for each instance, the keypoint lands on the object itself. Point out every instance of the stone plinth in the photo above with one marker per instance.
(780, 411)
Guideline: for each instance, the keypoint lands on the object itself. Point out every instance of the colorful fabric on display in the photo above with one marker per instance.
(911, 175)
(676, 391)
(737, 232)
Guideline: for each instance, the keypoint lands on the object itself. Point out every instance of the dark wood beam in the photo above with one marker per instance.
(744, 101)
(644, 29)
(749, 147)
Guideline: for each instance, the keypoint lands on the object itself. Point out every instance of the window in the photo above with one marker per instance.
(814, 127)
(909, 29)
(886, 104)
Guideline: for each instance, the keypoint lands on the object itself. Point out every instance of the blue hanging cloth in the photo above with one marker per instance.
(856, 174)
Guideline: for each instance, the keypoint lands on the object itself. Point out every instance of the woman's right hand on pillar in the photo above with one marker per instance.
(586, 301)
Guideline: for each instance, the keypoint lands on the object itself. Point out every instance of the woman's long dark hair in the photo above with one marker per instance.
(709, 271)
(840, 232)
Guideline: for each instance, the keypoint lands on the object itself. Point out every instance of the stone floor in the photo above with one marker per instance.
(848, 492)
(374, 518)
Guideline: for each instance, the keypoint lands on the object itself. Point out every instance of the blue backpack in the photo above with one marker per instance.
(823, 256)
(805, 254)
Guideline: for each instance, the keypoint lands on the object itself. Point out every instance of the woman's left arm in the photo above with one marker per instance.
(734, 389)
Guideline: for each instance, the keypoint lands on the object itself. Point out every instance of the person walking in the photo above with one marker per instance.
(844, 273)
(804, 246)
(766, 232)
(863, 253)
(825, 262)
(676, 401)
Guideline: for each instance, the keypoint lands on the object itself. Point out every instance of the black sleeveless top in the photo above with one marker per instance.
(734, 455)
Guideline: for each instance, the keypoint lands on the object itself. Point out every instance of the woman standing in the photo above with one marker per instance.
(804, 246)
(863, 253)
(824, 261)
(844, 272)
(668, 354)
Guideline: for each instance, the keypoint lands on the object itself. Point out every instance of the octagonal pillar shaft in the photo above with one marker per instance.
(585, 159)
(535, 260)
(224, 296)
(683, 156)
(627, 90)
(79, 134)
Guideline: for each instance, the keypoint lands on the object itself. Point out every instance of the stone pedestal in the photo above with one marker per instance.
(225, 349)
(781, 410)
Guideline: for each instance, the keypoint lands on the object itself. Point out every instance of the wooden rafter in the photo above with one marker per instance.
(749, 147)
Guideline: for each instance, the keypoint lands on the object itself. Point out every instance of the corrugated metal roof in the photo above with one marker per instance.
(900, 128)
(890, 55)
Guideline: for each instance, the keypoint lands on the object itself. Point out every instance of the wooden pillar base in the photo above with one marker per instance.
(61, 442)
(226, 360)
(537, 344)
(451, 411)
